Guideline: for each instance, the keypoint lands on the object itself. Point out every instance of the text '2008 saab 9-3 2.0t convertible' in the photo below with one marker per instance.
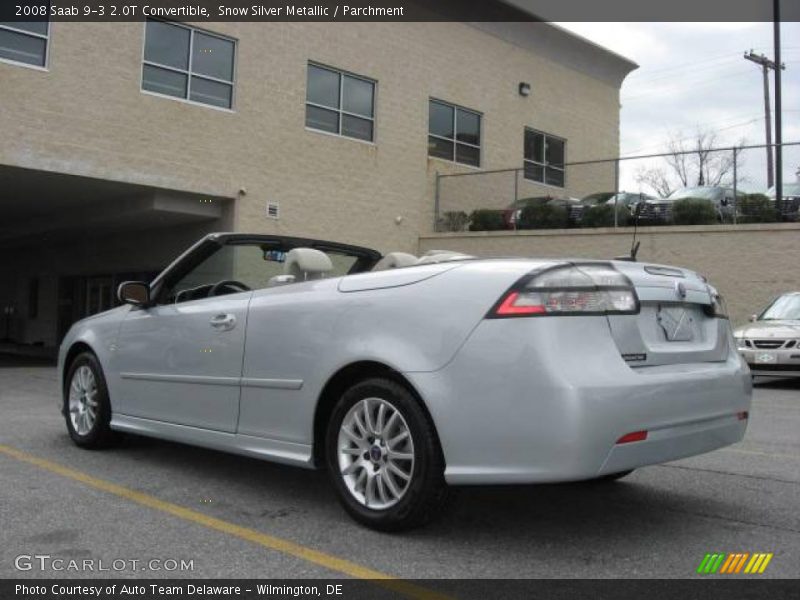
(403, 375)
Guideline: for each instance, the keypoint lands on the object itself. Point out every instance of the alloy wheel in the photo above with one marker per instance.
(376, 453)
(83, 401)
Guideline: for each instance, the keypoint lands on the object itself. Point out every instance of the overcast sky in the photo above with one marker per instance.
(694, 74)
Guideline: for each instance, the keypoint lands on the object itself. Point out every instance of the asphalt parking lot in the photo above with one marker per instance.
(237, 517)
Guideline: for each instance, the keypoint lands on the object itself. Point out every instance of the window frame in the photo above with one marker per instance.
(544, 165)
(189, 72)
(46, 37)
(454, 140)
(340, 110)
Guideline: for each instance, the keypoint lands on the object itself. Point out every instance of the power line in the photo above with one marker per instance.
(686, 139)
(682, 85)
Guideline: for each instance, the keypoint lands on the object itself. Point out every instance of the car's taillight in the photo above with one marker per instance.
(591, 289)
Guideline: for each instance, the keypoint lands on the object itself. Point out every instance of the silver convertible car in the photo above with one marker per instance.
(404, 375)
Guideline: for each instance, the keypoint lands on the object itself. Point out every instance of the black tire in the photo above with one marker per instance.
(426, 494)
(100, 435)
(612, 476)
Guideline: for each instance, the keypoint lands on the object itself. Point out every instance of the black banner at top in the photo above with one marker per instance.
(400, 10)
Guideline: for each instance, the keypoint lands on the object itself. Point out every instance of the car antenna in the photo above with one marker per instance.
(634, 243)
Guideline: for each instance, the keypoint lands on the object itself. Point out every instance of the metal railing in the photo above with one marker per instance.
(458, 194)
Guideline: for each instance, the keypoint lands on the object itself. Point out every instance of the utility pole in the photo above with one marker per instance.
(776, 40)
(766, 65)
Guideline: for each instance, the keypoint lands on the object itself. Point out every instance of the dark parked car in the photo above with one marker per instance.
(659, 210)
(511, 215)
(790, 201)
(627, 199)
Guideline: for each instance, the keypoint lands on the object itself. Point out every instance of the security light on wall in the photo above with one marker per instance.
(524, 88)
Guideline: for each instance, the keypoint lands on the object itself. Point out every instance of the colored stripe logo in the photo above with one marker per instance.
(734, 563)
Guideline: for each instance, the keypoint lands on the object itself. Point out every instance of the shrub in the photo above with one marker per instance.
(543, 216)
(756, 208)
(602, 215)
(694, 211)
(453, 220)
(486, 219)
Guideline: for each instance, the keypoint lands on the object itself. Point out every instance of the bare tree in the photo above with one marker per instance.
(689, 161)
(656, 179)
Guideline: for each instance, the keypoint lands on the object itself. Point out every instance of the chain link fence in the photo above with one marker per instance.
(683, 187)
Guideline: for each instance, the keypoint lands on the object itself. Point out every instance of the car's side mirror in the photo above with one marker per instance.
(753, 318)
(136, 293)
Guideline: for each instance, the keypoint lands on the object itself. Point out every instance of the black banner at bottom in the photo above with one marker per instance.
(433, 589)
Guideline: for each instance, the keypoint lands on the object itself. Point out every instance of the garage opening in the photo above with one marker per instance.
(67, 242)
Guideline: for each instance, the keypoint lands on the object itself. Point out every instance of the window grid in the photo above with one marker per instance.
(33, 34)
(190, 74)
(545, 166)
(340, 110)
(454, 140)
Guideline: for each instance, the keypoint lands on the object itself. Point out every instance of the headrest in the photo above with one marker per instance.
(306, 263)
(395, 260)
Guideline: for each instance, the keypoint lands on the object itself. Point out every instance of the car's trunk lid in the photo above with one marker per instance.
(674, 325)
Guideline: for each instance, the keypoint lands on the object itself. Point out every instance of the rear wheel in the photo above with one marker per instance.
(383, 457)
(87, 409)
(612, 476)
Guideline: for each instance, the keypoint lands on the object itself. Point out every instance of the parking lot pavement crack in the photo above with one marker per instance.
(731, 473)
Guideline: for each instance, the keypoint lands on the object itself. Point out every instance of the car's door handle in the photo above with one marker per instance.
(223, 322)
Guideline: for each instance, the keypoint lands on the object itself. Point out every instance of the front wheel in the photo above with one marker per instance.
(87, 409)
(384, 458)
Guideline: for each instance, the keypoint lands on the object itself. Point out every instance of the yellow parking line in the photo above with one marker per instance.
(323, 559)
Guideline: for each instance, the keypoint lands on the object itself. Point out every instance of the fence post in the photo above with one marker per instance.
(436, 206)
(735, 196)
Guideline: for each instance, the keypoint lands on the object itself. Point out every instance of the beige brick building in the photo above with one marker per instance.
(122, 143)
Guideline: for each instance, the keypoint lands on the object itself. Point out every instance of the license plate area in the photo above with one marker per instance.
(677, 322)
(766, 358)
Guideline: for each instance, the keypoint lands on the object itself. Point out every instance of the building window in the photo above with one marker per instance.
(454, 133)
(187, 63)
(25, 43)
(340, 103)
(544, 158)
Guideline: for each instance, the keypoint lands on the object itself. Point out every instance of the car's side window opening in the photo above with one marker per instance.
(235, 268)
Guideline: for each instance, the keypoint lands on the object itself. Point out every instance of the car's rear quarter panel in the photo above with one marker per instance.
(311, 331)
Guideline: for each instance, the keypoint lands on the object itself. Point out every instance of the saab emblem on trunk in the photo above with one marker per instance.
(680, 289)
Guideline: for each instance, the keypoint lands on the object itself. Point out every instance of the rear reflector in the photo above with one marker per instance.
(742, 416)
(635, 436)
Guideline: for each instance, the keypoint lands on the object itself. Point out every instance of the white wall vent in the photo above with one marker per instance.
(273, 210)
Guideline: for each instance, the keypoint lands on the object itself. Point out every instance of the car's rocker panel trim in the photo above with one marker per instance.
(280, 384)
(280, 451)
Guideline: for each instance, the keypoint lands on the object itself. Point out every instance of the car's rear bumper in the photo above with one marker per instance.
(544, 400)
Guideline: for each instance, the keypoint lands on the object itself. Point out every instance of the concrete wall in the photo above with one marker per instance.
(86, 115)
(748, 264)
